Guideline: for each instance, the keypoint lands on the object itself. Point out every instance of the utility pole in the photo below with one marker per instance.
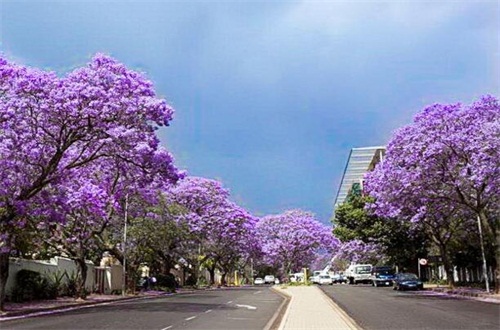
(251, 270)
(485, 267)
(124, 269)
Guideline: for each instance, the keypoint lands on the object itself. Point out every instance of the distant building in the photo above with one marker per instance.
(360, 161)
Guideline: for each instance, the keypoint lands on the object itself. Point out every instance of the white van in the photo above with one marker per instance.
(359, 273)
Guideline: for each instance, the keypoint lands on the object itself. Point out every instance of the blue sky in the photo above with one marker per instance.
(270, 96)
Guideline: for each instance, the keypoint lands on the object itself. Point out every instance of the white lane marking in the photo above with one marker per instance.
(190, 318)
(229, 302)
(167, 327)
(246, 306)
(257, 292)
(208, 311)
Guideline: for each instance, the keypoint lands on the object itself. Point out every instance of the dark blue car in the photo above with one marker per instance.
(382, 276)
(407, 281)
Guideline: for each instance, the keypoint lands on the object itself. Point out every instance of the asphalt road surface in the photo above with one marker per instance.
(383, 308)
(234, 308)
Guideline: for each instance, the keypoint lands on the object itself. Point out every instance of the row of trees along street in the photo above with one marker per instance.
(80, 156)
(438, 187)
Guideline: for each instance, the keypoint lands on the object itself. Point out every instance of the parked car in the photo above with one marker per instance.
(324, 279)
(258, 281)
(314, 279)
(382, 276)
(339, 278)
(269, 279)
(407, 281)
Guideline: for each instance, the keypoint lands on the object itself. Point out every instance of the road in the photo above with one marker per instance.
(383, 308)
(235, 308)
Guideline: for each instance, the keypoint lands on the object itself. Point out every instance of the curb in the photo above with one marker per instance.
(481, 296)
(347, 319)
(281, 313)
(281, 324)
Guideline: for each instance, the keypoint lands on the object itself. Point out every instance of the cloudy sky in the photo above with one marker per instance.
(270, 96)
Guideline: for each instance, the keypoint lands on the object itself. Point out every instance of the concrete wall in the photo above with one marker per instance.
(55, 265)
(466, 275)
(109, 279)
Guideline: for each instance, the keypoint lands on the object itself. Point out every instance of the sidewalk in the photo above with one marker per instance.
(310, 308)
(463, 292)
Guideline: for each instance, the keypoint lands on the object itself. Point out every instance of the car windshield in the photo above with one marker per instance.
(363, 270)
(409, 277)
(384, 272)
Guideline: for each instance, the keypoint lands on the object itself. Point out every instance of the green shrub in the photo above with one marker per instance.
(299, 283)
(55, 285)
(191, 281)
(166, 282)
(31, 285)
(71, 284)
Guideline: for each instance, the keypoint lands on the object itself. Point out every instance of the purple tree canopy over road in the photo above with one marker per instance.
(449, 155)
(225, 231)
(358, 252)
(52, 128)
(293, 240)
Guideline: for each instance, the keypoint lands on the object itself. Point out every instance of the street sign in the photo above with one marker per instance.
(423, 262)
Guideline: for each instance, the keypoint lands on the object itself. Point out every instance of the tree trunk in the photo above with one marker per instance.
(6, 218)
(496, 240)
(497, 261)
(4, 275)
(167, 264)
(223, 279)
(448, 267)
(211, 271)
(81, 278)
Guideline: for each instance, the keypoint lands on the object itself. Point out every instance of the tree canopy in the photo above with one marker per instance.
(446, 161)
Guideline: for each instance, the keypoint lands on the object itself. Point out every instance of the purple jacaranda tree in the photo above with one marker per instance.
(156, 235)
(68, 219)
(78, 211)
(293, 240)
(357, 252)
(231, 239)
(224, 229)
(449, 155)
(322, 261)
(51, 127)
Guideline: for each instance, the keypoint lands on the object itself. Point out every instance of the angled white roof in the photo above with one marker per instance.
(360, 161)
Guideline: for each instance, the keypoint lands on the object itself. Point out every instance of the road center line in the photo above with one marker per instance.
(167, 327)
(208, 311)
(229, 302)
(190, 318)
(257, 292)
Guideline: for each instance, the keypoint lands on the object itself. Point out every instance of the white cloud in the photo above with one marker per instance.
(337, 17)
